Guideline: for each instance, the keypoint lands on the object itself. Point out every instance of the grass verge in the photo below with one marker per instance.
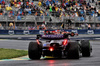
(11, 53)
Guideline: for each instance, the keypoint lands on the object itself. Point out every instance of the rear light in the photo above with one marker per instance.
(38, 41)
(51, 48)
(65, 42)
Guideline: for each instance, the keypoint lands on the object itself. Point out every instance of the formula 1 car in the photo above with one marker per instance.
(58, 45)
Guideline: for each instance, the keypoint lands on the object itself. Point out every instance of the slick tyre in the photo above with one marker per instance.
(73, 51)
(86, 48)
(34, 50)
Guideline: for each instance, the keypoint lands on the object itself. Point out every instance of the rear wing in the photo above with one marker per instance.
(60, 36)
(55, 37)
(50, 37)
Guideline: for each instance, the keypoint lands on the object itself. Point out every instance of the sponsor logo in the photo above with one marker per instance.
(41, 32)
(52, 36)
(90, 32)
(11, 32)
(75, 31)
(26, 32)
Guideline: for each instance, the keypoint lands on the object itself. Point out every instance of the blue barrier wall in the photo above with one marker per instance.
(20, 32)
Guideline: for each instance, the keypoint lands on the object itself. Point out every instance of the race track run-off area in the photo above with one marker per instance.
(94, 60)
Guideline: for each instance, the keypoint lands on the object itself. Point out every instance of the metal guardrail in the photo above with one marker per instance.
(47, 19)
(87, 19)
(25, 18)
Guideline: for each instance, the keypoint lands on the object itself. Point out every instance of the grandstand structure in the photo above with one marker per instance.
(54, 14)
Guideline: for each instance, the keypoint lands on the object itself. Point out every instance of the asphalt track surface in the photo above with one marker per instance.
(94, 60)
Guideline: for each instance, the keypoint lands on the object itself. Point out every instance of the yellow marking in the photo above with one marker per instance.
(1, 60)
(49, 57)
(17, 59)
(3, 39)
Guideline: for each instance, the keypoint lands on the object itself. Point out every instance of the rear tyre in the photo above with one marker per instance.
(86, 48)
(73, 51)
(34, 50)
